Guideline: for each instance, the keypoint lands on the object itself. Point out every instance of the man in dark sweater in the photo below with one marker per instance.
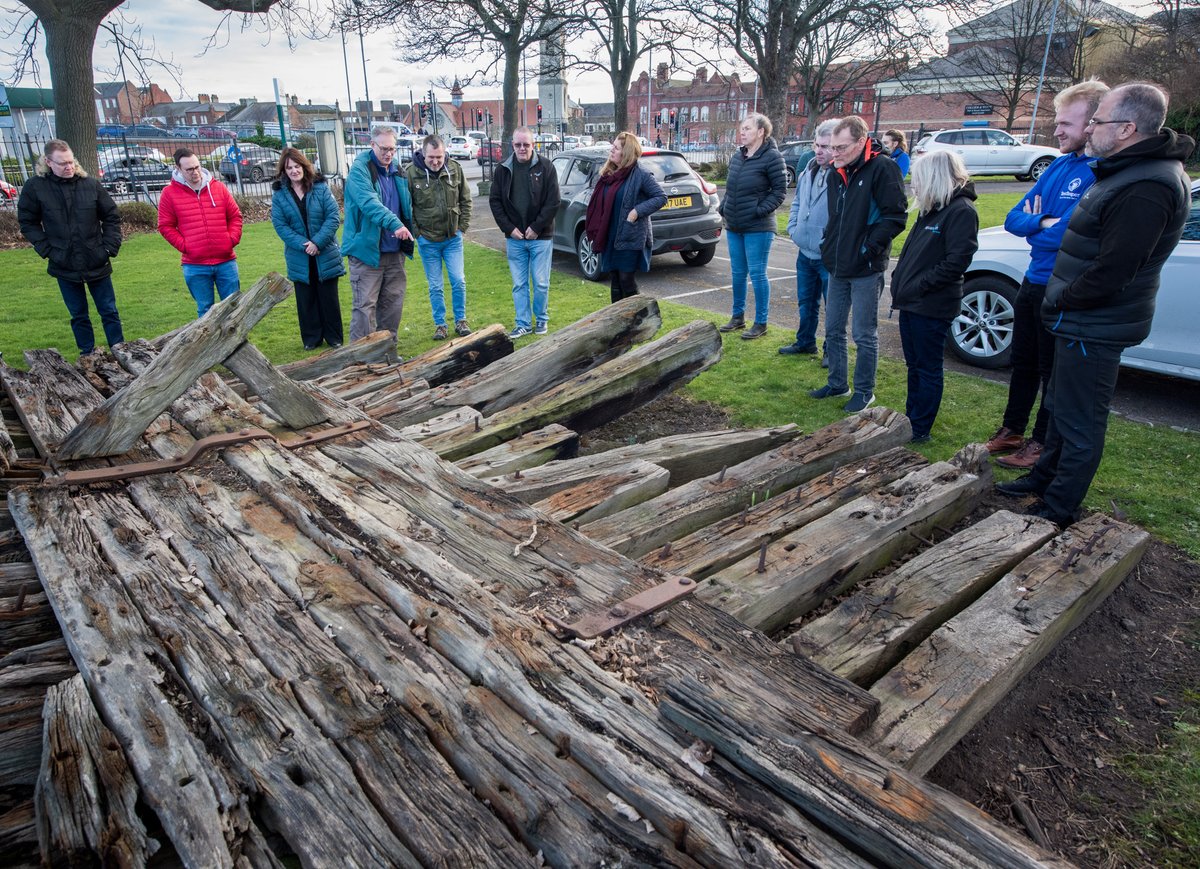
(524, 200)
(1100, 297)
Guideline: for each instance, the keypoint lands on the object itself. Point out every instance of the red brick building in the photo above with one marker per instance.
(123, 102)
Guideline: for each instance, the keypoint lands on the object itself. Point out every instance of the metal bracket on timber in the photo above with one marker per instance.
(621, 614)
(226, 439)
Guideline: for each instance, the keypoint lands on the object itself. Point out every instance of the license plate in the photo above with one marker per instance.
(678, 202)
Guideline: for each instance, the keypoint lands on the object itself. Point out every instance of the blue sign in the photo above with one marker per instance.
(975, 123)
(234, 153)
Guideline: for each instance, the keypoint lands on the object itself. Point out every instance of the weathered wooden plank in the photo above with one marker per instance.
(457, 358)
(527, 451)
(374, 348)
(536, 368)
(47, 417)
(139, 696)
(598, 395)
(827, 556)
(871, 630)
(948, 683)
(681, 511)
(892, 816)
(719, 545)
(18, 832)
(604, 495)
(287, 399)
(86, 795)
(8, 450)
(438, 426)
(24, 680)
(116, 425)
(503, 651)
(361, 392)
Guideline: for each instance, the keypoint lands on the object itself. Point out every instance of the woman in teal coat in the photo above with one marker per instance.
(306, 217)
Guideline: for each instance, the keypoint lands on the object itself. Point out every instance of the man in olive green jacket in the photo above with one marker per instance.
(441, 210)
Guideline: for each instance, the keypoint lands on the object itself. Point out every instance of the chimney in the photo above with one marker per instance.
(202, 98)
(662, 74)
(701, 75)
(295, 100)
(214, 98)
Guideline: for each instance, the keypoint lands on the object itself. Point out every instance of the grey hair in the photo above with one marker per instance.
(936, 177)
(761, 121)
(432, 141)
(528, 132)
(825, 128)
(853, 124)
(382, 130)
(1090, 91)
(1143, 103)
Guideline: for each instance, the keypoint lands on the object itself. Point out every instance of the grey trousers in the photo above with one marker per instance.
(861, 295)
(377, 295)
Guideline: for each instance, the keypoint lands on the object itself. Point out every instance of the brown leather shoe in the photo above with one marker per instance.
(1026, 457)
(1005, 440)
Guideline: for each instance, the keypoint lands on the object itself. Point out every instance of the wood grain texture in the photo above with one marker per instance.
(944, 686)
(524, 452)
(284, 396)
(871, 630)
(602, 496)
(378, 347)
(681, 511)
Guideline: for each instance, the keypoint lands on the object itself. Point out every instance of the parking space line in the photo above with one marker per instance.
(776, 268)
(718, 289)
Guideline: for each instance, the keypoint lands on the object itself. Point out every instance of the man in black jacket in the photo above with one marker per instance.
(867, 209)
(524, 200)
(71, 221)
(1100, 297)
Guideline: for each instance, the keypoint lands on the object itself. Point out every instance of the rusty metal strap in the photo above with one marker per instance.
(621, 614)
(225, 439)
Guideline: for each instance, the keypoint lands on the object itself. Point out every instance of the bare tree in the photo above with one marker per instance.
(769, 35)
(70, 28)
(1165, 48)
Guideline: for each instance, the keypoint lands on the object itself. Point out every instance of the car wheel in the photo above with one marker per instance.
(791, 176)
(256, 174)
(1021, 177)
(1039, 166)
(981, 334)
(589, 259)
(120, 187)
(701, 257)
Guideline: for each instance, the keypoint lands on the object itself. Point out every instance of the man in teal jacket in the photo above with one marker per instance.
(377, 236)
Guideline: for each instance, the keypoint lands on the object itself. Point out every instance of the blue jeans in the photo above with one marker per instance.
(529, 261)
(811, 282)
(105, 300)
(201, 280)
(923, 339)
(450, 252)
(748, 253)
(861, 294)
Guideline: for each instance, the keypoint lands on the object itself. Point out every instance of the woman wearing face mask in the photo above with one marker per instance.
(756, 186)
(306, 217)
(618, 215)
(897, 149)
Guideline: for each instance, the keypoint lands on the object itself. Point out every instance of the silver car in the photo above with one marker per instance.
(981, 334)
(990, 152)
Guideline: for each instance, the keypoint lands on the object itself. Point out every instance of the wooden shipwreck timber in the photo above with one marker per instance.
(385, 615)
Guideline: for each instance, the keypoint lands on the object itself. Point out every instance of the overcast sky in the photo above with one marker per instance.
(247, 61)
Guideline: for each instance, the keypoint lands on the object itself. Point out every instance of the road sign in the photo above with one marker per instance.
(234, 153)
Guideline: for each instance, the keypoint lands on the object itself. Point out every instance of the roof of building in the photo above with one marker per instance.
(1000, 20)
(30, 98)
(110, 88)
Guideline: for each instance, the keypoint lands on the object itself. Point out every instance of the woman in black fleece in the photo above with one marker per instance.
(927, 282)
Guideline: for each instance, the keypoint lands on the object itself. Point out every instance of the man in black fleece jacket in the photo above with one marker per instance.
(1100, 298)
(867, 209)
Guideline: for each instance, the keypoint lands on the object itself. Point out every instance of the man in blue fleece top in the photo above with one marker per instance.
(1041, 218)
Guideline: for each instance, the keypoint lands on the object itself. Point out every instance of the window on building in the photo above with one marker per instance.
(858, 104)
(722, 112)
(704, 135)
(704, 114)
(795, 107)
(695, 116)
(840, 105)
(642, 114)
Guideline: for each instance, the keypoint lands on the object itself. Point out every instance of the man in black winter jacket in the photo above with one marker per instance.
(1100, 297)
(867, 210)
(71, 221)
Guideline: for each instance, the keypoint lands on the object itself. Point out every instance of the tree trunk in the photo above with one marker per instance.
(620, 89)
(70, 39)
(511, 93)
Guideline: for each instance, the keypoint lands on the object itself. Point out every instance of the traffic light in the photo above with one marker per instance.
(421, 107)
(539, 113)
(479, 117)
(672, 118)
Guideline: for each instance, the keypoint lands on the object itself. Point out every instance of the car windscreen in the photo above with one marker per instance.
(666, 167)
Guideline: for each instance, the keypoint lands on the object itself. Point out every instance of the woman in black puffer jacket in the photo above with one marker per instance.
(927, 281)
(756, 186)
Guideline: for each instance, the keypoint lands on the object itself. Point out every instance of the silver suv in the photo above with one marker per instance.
(990, 152)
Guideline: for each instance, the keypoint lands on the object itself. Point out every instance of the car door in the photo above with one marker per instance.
(972, 146)
(574, 182)
(1002, 153)
(1172, 343)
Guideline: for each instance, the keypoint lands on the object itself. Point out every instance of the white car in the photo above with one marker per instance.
(990, 152)
(462, 147)
(981, 334)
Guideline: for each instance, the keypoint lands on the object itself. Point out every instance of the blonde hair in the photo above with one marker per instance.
(901, 141)
(1090, 91)
(631, 149)
(936, 177)
(761, 121)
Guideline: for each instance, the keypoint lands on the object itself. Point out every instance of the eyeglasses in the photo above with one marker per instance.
(61, 163)
(383, 150)
(522, 144)
(1096, 122)
(841, 149)
(820, 147)
(190, 168)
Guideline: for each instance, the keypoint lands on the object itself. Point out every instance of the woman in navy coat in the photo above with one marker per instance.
(618, 215)
(306, 217)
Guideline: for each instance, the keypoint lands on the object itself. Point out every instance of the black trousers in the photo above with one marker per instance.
(624, 285)
(1032, 362)
(318, 309)
(1078, 401)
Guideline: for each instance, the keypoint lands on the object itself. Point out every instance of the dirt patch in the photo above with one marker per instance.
(1112, 687)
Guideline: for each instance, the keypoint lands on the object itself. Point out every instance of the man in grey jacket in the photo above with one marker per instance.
(806, 225)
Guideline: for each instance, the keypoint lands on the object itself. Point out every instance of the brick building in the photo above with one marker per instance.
(123, 102)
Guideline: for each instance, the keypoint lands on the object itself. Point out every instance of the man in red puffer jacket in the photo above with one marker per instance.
(198, 216)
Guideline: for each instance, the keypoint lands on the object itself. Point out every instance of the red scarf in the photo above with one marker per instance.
(600, 207)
